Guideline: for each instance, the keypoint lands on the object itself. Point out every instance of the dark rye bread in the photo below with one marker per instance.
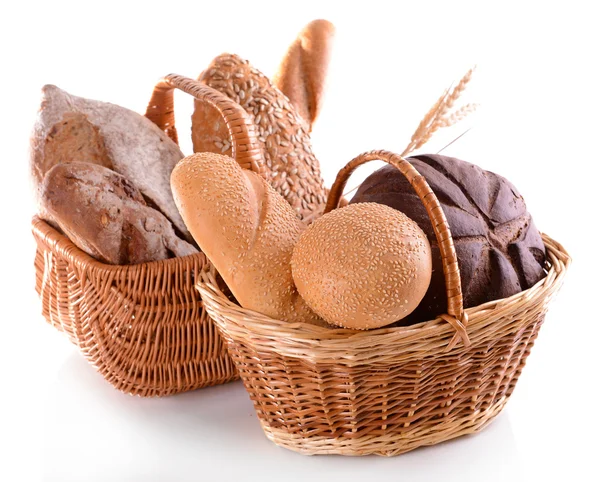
(500, 252)
(106, 216)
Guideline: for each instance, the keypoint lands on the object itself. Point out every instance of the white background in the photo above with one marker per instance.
(539, 126)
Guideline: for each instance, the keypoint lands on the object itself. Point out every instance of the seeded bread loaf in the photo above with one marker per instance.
(500, 252)
(292, 168)
(302, 73)
(247, 231)
(70, 128)
(106, 216)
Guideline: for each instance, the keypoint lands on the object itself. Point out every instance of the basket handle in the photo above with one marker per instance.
(245, 148)
(456, 315)
(161, 111)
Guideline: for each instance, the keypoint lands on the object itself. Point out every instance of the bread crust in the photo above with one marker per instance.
(303, 70)
(500, 252)
(106, 216)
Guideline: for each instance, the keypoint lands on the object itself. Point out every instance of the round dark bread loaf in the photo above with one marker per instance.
(500, 252)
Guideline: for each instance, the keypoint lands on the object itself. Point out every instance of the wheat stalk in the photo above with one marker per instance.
(453, 141)
(456, 92)
(425, 124)
(441, 114)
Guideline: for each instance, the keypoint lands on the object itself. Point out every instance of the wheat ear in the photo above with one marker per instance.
(441, 114)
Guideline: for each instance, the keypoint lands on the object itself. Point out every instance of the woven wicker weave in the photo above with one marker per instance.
(390, 390)
(143, 327)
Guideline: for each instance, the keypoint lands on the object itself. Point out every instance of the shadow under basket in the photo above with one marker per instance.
(143, 326)
(389, 390)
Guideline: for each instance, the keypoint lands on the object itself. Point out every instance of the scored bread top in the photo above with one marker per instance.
(500, 252)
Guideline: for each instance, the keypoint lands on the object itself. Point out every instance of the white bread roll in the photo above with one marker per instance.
(247, 230)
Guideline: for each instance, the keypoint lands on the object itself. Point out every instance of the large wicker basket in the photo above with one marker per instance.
(143, 326)
(390, 390)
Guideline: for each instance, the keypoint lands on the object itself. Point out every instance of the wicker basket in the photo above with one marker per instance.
(143, 326)
(390, 390)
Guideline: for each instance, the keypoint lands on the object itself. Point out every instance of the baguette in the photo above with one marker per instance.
(303, 70)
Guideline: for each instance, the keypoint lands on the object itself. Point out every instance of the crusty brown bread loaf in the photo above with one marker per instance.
(303, 70)
(292, 168)
(106, 216)
(500, 252)
(247, 231)
(70, 128)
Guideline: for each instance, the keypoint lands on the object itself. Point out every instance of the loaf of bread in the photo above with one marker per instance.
(500, 251)
(247, 231)
(106, 216)
(70, 128)
(292, 168)
(303, 70)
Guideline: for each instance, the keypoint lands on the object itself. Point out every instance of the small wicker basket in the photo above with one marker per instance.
(390, 390)
(143, 326)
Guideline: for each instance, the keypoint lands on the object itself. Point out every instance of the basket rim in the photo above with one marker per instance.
(57, 242)
(300, 337)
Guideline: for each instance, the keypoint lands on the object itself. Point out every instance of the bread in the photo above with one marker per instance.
(363, 266)
(500, 252)
(292, 168)
(246, 230)
(303, 70)
(106, 216)
(70, 128)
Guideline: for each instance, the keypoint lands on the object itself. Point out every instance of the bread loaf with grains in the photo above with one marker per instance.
(106, 216)
(70, 128)
(292, 168)
(247, 231)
